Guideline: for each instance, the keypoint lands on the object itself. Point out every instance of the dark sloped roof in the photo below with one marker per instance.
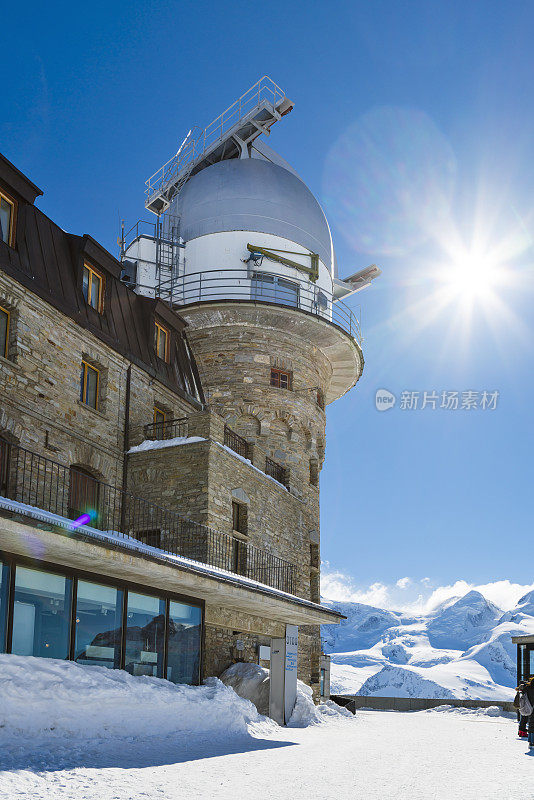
(49, 262)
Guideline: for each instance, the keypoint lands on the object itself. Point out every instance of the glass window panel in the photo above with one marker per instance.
(4, 328)
(4, 585)
(95, 290)
(183, 653)
(162, 343)
(41, 614)
(145, 632)
(98, 625)
(91, 387)
(288, 292)
(6, 210)
(85, 283)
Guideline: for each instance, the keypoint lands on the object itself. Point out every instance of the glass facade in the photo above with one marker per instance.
(184, 628)
(98, 625)
(41, 614)
(68, 617)
(145, 635)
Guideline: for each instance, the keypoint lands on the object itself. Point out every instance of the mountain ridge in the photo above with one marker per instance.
(462, 648)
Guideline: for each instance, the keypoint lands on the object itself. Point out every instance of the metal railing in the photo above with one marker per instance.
(73, 493)
(260, 286)
(169, 429)
(236, 443)
(276, 471)
(197, 141)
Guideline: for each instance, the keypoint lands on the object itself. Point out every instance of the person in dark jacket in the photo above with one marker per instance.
(530, 695)
(523, 720)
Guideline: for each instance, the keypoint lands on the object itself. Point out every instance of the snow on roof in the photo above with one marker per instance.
(128, 542)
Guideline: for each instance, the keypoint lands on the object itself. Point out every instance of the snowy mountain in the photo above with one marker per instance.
(461, 649)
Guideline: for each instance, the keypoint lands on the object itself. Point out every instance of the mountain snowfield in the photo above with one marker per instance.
(462, 649)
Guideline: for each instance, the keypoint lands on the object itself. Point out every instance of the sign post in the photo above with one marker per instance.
(283, 681)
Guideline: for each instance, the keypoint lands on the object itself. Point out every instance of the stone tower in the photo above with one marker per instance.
(251, 268)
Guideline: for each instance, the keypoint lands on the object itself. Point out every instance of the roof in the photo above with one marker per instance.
(523, 639)
(48, 261)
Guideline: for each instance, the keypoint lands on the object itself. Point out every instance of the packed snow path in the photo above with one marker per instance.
(425, 755)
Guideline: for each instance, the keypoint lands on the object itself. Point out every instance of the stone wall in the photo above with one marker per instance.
(40, 407)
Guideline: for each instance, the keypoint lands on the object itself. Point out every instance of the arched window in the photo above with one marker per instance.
(84, 492)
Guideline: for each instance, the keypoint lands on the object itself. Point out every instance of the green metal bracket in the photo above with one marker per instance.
(312, 271)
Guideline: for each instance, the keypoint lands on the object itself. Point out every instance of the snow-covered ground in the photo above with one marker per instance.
(86, 733)
(463, 649)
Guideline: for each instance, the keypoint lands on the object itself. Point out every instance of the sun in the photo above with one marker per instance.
(471, 276)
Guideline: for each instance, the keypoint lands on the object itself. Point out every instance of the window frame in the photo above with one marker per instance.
(158, 410)
(101, 282)
(276, 378)
(12, 560)
(159, 329)
(240, 514)
(83, 399)
(13, 203)
(8, 329)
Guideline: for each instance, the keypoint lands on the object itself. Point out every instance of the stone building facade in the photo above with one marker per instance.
(253, 530)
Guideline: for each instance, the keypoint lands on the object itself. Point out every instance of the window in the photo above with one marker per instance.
(281, 379)
(7, 219)
(274, 289)
(320, 399)
(5, 451)
(84, 492)
(57, 615)
(145, 633)
(162, 342)
(4, 332)
(239, 517)
(93, 288)
(159, 416)
(89, 380)
(183, 648)
(239, 557)
(314, 473)
(41, 614)
(98, 625)
(159, 423)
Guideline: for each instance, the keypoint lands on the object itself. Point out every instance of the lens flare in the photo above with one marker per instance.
(84, 519)
(388, 181)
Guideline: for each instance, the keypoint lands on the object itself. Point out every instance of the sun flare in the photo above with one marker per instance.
(472, 276)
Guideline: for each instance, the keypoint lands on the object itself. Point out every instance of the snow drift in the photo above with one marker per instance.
(252, 682)
(42, 697)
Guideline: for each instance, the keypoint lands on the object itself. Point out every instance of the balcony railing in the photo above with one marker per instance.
(236, 443)
(169, 429)
(73, 493)
(276, 471)
(260, 286)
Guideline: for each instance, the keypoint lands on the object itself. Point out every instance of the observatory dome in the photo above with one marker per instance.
(252, 194)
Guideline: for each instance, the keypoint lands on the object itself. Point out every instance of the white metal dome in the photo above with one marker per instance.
(253, 194)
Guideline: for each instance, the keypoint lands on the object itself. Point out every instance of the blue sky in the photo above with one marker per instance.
(413, 125)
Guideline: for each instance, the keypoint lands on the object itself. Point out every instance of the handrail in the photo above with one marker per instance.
(276, 471)
(73, 493)
(169, 429)
(236, 442)
(194, 146)
(261, 286)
